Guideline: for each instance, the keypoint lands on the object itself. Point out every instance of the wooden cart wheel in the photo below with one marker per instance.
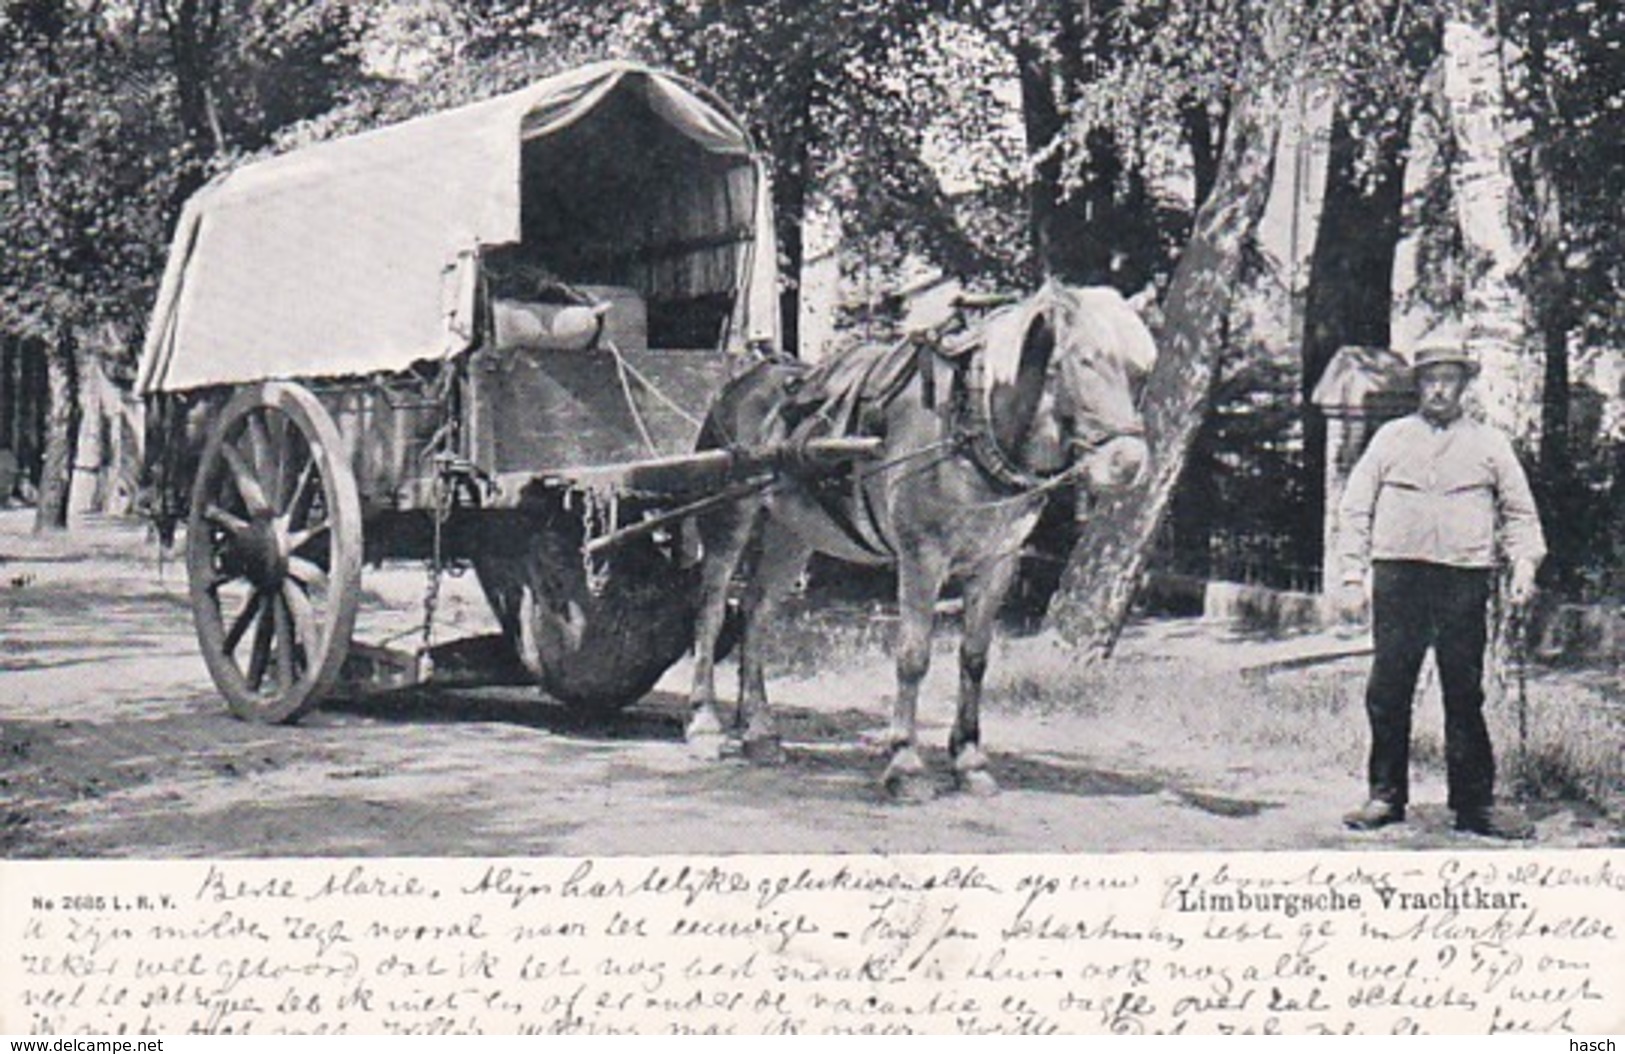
(594, 648)
(273, 552)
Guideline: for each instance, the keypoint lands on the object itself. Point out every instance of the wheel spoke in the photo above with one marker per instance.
(300, 500)
(261, 655)
(284, 644)
(243, 475)
(282, 455)
(259, 445)
(233, 525)
(299, 539)
(305, 628)
(240, 626)
(307, 573)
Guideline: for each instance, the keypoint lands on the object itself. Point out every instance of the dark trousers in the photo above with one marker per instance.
(1415, 606)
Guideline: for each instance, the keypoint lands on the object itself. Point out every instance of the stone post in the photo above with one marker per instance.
(1362, 389)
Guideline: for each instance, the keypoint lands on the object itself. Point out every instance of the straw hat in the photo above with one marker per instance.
(1442, 346)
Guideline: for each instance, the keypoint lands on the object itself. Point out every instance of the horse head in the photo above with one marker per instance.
(1065, 370)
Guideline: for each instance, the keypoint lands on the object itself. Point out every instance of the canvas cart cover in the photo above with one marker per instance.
(341, 259)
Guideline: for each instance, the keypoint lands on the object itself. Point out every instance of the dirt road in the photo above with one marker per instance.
(113, 743)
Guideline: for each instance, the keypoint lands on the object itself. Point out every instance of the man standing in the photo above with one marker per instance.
(1420, 520)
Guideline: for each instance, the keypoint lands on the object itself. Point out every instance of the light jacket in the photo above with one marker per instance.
(1437, 494)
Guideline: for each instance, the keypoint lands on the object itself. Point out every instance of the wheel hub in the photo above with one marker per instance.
(264, 550)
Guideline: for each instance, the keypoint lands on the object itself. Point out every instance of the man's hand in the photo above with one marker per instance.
(1351, 603)
(1521, 589)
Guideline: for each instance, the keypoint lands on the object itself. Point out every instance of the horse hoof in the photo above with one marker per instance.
(907, 779)
(912, 790)
(978, 783)
(704, 736)
(910, 787)
(764, 750)
(706, 746)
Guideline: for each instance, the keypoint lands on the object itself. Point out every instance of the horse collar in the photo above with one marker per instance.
(972, 430)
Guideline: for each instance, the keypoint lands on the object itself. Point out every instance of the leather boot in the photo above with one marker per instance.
(1374, 814)
(1494, 822)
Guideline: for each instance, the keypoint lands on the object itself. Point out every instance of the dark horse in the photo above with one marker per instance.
(974, 438)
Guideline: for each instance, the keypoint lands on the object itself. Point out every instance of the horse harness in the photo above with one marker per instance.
(849, 396)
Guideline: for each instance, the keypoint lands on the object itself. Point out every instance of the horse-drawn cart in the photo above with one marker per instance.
(482, 338)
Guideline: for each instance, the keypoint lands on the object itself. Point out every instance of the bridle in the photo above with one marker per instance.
(971, 427)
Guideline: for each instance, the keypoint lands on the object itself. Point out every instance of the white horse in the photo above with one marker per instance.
(973, 442)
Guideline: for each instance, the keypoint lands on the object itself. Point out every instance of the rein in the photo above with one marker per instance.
(1048, 483)
(943, 447)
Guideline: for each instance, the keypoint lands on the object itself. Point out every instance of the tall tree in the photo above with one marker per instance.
(1495, 310)
(73, 133)
(1111, 553)
(1567, 87)
(1351, 270)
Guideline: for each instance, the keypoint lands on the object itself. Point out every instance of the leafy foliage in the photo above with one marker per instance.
(1567, 88)
(83, 153)
(991, 138)
(97, 143)
(113, 113)
(1570, 88)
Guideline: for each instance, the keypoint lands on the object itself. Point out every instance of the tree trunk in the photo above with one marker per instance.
(1551, 305)
(1206, 138)
(61, 427)
(1496, 310)
(791, 180)
(1091, 228)
(793, 251)
(1064, 244)
(1194, 508)
(1351, 275)
(1100, 581)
